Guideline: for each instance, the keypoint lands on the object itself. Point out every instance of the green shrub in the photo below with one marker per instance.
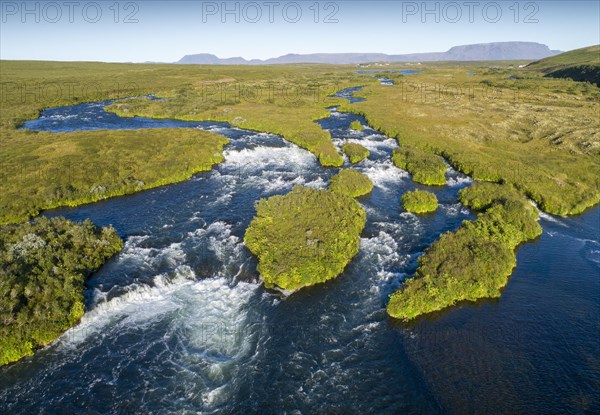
(475, 261)
(328, 155)
(351, 182)
(355, 152)
(356, 125)
(419, 201)
(481, 196)
(426, 168)
(510, 223)
(305, 237)
(459, 266)
(42, 277)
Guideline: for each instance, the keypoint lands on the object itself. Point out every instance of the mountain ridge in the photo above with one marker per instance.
(472, 52)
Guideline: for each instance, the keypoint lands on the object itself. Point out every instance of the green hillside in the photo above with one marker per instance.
(579, 65)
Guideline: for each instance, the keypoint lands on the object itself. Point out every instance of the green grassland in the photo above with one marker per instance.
(475, 261)
(279, 100)
(540, 134)
(355, 152)
(419, 201)
(305, 237)
(351, 182)
(43, 170)
(44, 266)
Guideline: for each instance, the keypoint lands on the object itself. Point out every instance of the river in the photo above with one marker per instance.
(178, 322)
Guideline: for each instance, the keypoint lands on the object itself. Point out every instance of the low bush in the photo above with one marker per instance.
(419, 201)
(426, 168)
(44, 265)
(355, 152)
(351, 182)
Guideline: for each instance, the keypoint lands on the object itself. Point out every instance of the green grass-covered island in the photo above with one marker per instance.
(45, 263)
(356, 125)
(419, 201)
(351, 182)
(305, 237)
(355, 152)
(475, 261)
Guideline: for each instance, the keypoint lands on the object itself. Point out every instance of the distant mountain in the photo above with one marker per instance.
(499, 51)
(479, 52)
(335, 58)
(208, 59)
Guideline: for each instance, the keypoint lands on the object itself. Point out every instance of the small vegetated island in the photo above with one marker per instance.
(419, 201)
(355, 152)
(425, 167)
(305, 237)
(42, 277)
(356, 125)
(475, 261)
(351, 182)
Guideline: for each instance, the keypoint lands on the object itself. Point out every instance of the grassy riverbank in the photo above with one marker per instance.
(499, 124)
(44, 170)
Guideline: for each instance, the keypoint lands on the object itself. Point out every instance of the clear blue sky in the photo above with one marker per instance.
(165, 31)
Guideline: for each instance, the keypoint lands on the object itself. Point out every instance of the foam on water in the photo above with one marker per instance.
(454, 209)
(133, 255)
(317, 183)
(263, 158)
(384, 174)
(218, 239)
(60, 117)
(206, 336)
(459, 180)
(381, 251)
(549, 218)
(139, 303)
(376, 144)
(213, 316)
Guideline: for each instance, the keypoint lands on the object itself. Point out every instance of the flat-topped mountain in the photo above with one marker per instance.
(477, 52)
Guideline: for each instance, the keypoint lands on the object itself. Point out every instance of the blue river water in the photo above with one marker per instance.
(179, 322)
